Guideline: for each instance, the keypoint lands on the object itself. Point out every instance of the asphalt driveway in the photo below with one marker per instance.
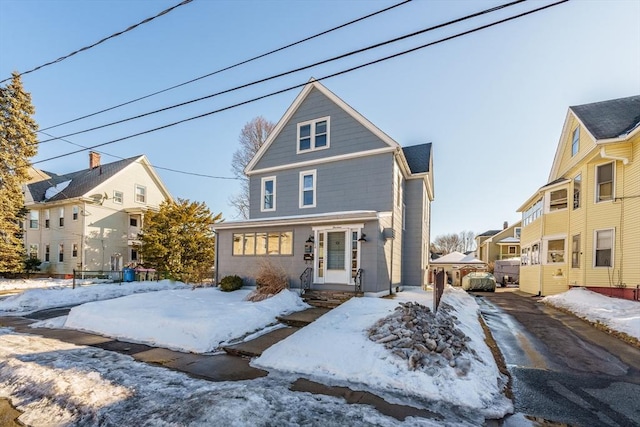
(563, 369)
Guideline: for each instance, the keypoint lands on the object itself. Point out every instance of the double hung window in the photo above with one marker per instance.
(603, 247)
(308, 189)
(313, 135)
(604, 182)
(268, 197)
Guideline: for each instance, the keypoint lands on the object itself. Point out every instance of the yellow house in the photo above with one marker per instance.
(592, 238)
(494, 245)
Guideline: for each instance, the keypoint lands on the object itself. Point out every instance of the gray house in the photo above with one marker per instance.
(333, 195)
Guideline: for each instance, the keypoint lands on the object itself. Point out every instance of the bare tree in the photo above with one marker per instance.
(468, 240)
(251, 138)
(447, 243)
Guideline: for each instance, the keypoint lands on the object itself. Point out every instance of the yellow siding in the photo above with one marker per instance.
(556, 223)
(530, 279)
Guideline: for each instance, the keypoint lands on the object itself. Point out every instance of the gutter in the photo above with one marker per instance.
(604, 155)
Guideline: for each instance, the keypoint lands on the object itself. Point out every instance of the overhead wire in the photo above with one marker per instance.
(351, 69)
(275, 76)
(155, 166)
(246, 61)
(119, 33)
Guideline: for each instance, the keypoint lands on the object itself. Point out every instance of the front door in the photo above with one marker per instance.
(336, 264)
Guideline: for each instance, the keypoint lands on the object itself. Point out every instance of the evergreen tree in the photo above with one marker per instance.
(178, 240)
(18, 144)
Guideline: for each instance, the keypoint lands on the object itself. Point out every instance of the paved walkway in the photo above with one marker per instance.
(219, 366)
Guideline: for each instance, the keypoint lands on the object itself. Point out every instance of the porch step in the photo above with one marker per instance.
(327, 298)
(255, 347)
(300, 319)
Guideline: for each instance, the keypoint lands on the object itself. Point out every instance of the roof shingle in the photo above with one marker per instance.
(610, 119)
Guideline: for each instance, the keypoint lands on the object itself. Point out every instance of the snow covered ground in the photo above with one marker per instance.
(617, 314)
(14, 284)
(56, 383)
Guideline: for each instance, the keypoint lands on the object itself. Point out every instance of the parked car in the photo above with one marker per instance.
(479, 281)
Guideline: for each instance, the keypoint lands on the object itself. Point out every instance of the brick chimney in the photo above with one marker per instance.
(94, 159)
(505, 224)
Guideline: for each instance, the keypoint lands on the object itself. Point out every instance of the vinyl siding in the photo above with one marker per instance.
(348, 185)
(413, 256)
(346, 135)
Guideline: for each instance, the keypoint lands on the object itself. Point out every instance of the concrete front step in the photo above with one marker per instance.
(255, 347)
(327, 298)
(302, 318)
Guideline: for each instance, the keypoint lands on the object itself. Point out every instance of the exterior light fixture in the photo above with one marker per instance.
(363, 238)
(310, 239)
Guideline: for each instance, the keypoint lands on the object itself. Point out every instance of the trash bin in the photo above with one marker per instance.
(128, 274)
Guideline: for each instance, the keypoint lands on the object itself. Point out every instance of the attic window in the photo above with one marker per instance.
(141, 194)
(575, 144)
(313, 135)
(117, 197)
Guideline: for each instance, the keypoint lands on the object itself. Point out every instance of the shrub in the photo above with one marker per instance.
(269, 281)
(230, 283)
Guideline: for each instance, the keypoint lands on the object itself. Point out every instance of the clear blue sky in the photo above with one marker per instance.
(492, 103)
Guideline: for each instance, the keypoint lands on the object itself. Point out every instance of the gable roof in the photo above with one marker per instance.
(82, 181)
(489, 233)
(418, 157)
(314, 84)
(457, 258)
(610, 119)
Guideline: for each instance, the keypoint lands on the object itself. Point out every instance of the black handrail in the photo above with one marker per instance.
(358, 280)
(305, 279)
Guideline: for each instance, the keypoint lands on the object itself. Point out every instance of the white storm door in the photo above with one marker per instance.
(337, 267)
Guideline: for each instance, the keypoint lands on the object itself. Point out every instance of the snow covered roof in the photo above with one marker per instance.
(510, 239)
(457, 258)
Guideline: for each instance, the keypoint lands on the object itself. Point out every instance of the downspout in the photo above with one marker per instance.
(540, 264)
(215, 260)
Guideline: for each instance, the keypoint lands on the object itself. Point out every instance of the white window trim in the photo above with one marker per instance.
(115, 200)
(37, 220)
(515, 232)
(37, 246)
(75, 212)
(597, 187)
(547, 200)
(613, 247)
(301, 189)
(135, 193)
(313, 135)
(544, 250)
(262, 193)
(573, 139)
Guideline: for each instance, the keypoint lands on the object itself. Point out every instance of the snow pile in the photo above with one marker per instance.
(39, 299)
(53, 191)
(617, 314)
(59, 384)
(336, 349)
(426, 341)
(198, 320)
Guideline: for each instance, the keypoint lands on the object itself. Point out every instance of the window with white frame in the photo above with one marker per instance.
(47, 253)
(524, 256)
(268, 194)
(61, 217)
(516, 232)
(575, 143)
(577, 186)
(535, 254)
(533, 213)
(308, 189)
(555, 251)
(512, 250)
(118, 197)
(134, 254)
(557, 199)
(60, 252)
(603, 248)
(604, 182)
(141, 194)
(74, 250)
(34, 218)
(33, 250)
(46, 218)
(575, 251)
(313, 135)
(263, 243)
(74, 212)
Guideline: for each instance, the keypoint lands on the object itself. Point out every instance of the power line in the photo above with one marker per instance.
(325, 61)
(62, 58)
(405, 52)
(246, 61)
(155, 166)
